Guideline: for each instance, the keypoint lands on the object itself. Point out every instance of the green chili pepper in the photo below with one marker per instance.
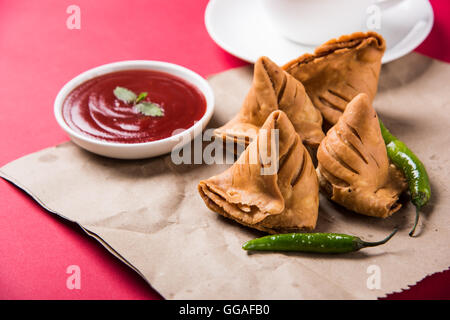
(312, 242)
(414, 170)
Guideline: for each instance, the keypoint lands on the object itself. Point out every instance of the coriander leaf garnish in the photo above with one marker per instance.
(141, 97)
(144, 107)
(125, 95)
(150, 109)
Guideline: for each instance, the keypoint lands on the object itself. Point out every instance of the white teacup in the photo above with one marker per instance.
(313, 22)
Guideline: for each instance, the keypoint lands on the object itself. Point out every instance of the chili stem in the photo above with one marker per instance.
(377, 243)
(411, 233)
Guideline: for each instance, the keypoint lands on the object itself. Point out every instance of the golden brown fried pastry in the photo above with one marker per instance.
(354, 169)
(339, 70)
(278, 201)
(273, 89)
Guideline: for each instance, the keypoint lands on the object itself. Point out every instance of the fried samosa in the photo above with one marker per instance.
(273, 89)
(281, 200)
(354, 169)
(339, 70)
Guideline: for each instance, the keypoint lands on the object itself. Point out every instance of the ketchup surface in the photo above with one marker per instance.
(92, 108)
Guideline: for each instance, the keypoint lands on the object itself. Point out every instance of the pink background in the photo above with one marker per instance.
(38, 54)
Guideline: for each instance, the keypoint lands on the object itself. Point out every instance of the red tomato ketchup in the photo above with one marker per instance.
(92, 108)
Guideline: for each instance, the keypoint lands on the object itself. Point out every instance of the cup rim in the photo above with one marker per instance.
(186, 74)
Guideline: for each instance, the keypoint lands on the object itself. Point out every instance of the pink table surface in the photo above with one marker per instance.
(38, 54)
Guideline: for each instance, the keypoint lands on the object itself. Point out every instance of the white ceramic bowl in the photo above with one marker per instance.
(135, 150)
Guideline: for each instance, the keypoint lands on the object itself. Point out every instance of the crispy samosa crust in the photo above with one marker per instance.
(354, 169)
(283, 200)
(273, 89)
(339, 70)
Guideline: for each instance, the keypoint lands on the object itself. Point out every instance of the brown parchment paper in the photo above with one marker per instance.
(149, 213)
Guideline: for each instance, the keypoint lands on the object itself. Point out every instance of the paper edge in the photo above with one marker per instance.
(91, 234)
(409, 286)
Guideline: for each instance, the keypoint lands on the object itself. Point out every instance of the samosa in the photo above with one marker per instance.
(339, 70)
(279, 195)
(273, 89)
(354, 169)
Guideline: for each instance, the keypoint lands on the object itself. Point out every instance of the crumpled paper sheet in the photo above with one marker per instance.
(150, 215)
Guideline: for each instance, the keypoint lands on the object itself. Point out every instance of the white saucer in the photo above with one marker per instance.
(241, 28)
